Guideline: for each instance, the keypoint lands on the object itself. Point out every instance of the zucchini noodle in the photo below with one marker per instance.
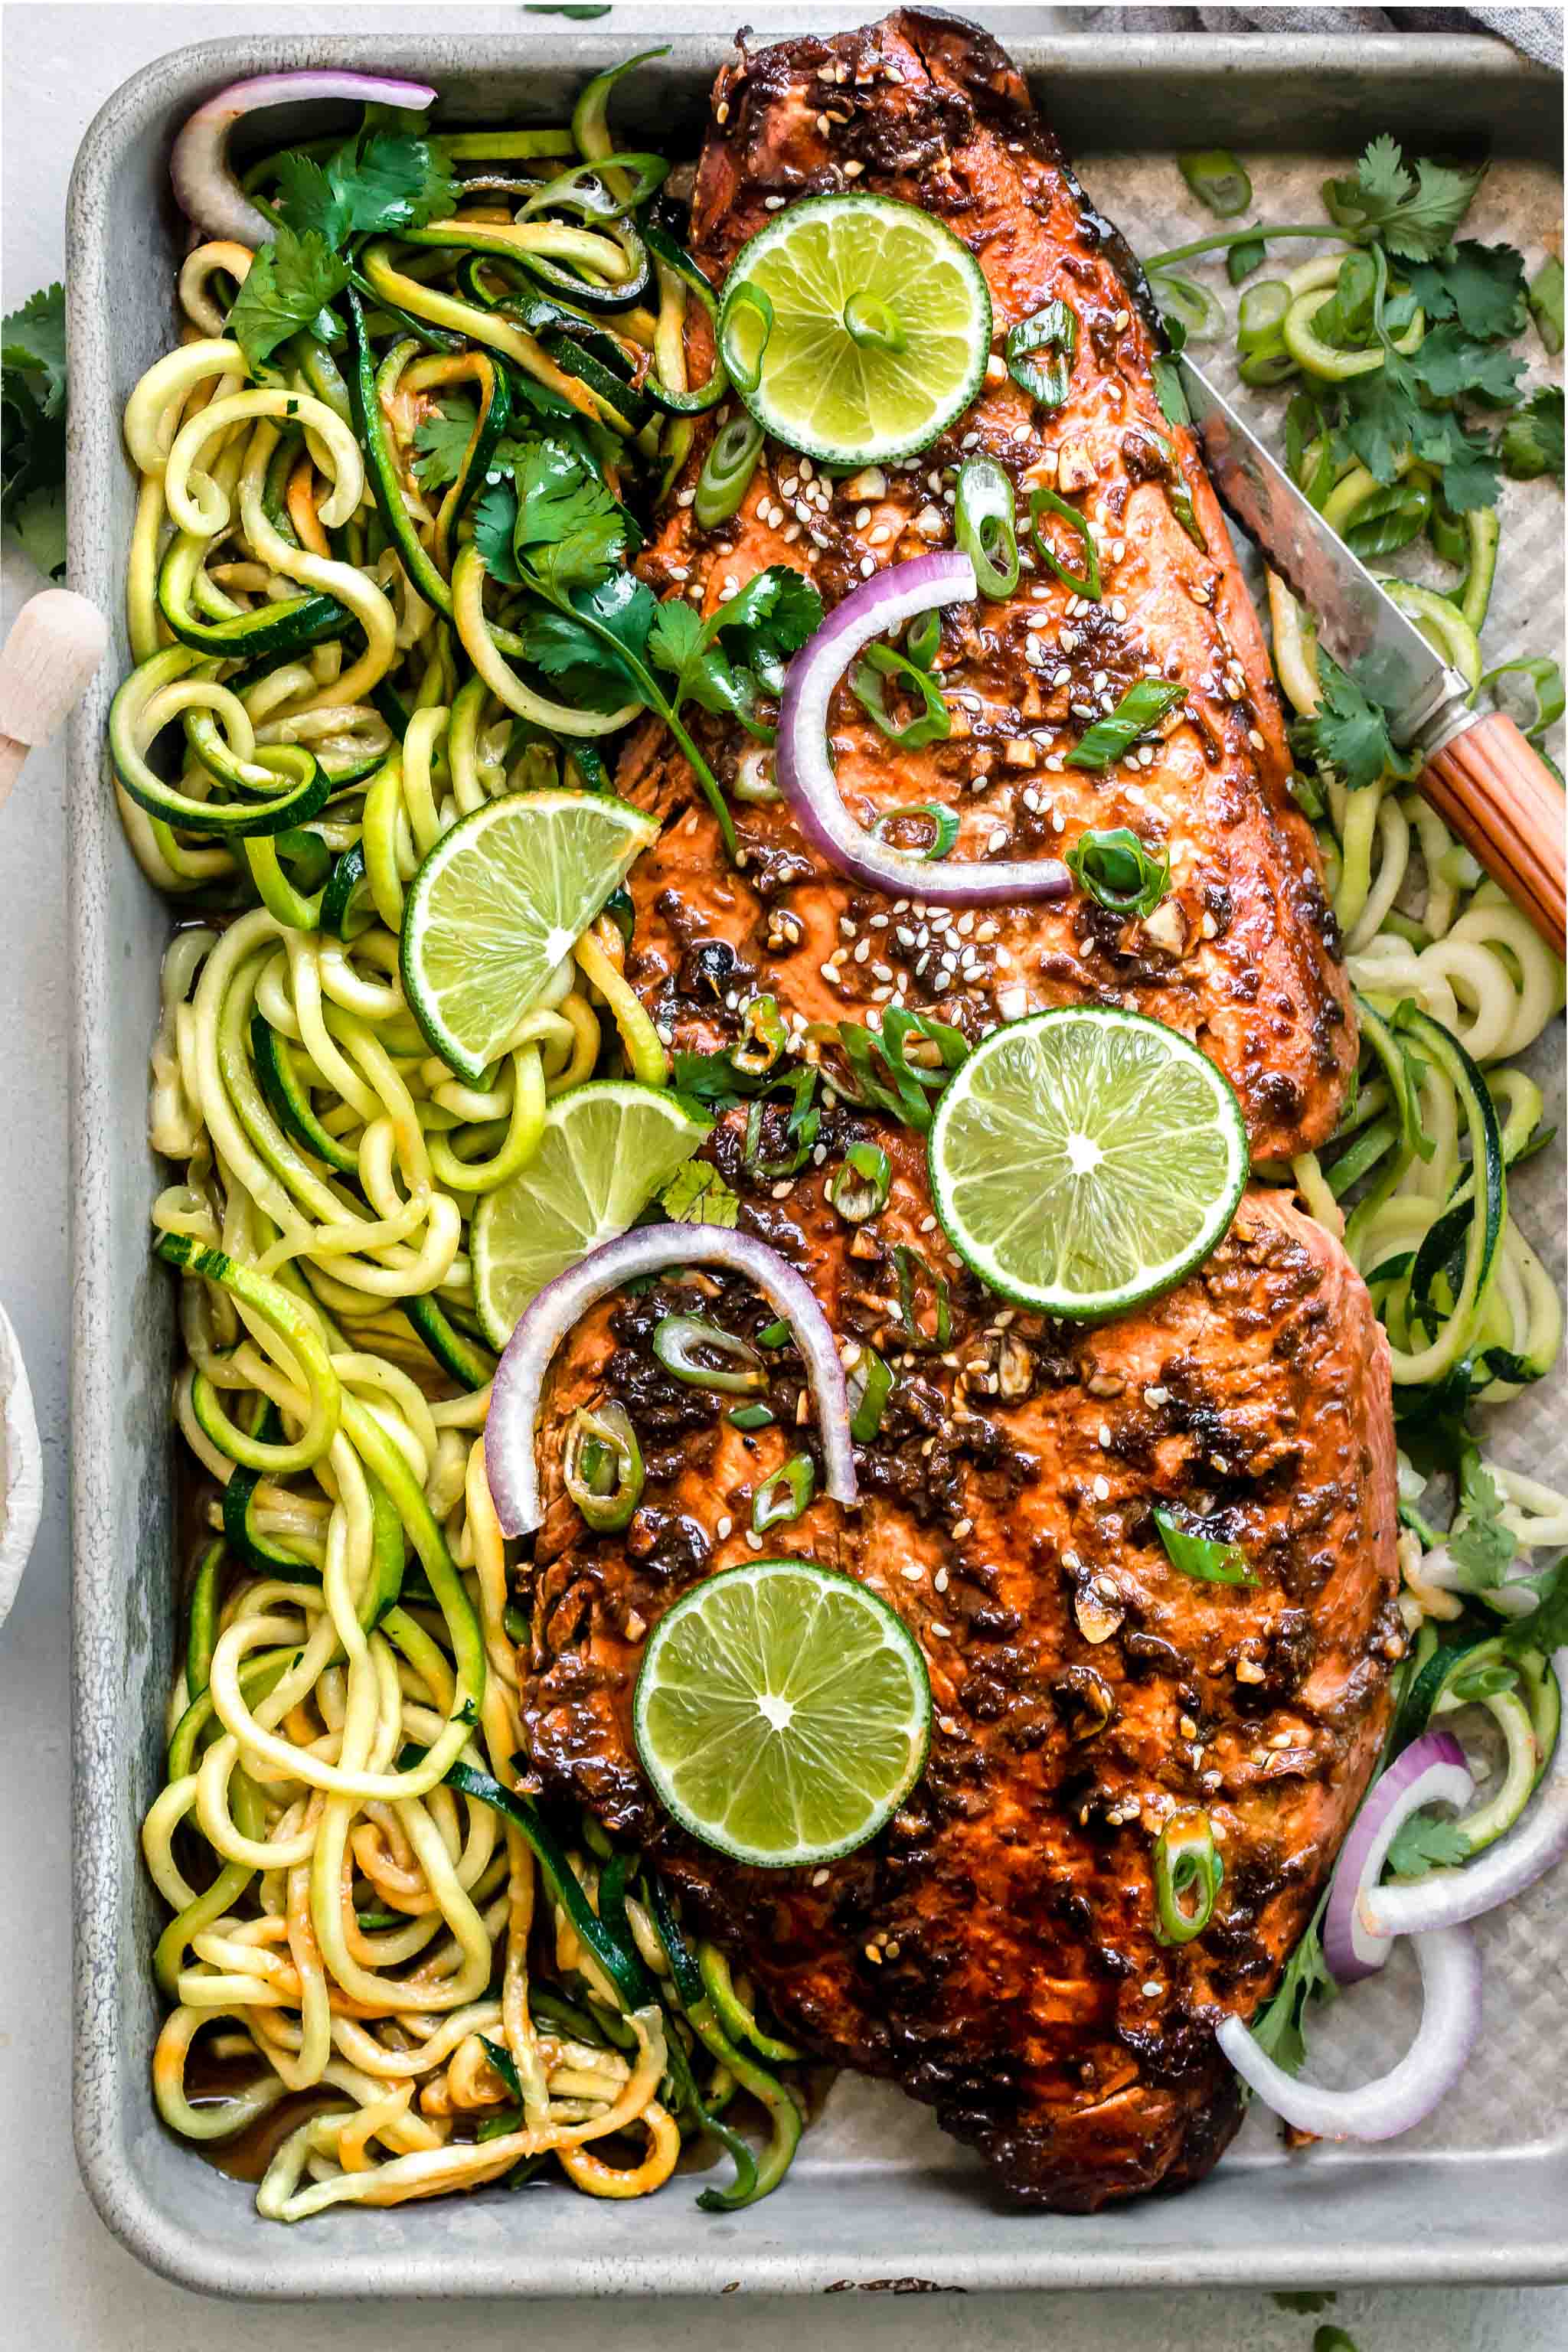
(395, 1968)
(1454, 985)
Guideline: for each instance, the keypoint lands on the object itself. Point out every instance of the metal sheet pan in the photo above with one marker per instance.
(879, 2197)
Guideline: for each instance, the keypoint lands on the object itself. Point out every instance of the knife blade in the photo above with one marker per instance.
(1361, 626)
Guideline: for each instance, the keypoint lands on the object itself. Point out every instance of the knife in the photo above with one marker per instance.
(1480, 774)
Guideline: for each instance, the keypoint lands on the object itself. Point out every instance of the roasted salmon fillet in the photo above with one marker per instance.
(1241, 955)
(994, 1950)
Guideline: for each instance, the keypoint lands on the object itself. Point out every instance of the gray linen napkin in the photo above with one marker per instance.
(1537, 32)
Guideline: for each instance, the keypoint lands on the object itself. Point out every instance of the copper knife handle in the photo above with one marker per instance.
(1489, 787)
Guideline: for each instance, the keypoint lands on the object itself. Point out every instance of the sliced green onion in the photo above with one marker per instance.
(1180, 297)
(861, 1183)
(1040, 353)
(785, 1496)
(1447, 531)
(601, 1464)
(1045, 501)
(762, 1037)
(934, 724)
(984, 526)
(1217, 180)
(747, 321)
(1269, 365)
(873, 324)
(944, 821)
(1545, 701)
(751, 1416)
(686, 1345)
(870, 1384)
(1262, 314)
(909, 1262)
(1389, 517)
(1118, 872)
(1546, 303)
(923, 638)
(776, 1335)
(1141, 708)
(1186, 1863)
(727, 471)
(1199, 1556)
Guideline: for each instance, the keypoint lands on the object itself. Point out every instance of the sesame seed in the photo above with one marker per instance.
(1153, 1989)
(1104, 1433)
(862, 516)
(787, 489)
(913, 1573)
(867, 566)
(1156, 1396)
(682, 497)
(1102, 1490)
(819, 1877)
(721, 112)
(753, 1540)
(852, 170)
(723, 1528)
(942, 1633)
(773, 203)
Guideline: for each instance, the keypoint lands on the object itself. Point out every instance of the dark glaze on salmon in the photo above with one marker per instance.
(1242, 955)
(994, 1950)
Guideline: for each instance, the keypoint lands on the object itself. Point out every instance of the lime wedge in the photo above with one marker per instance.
(607, 1148)
(880, 327)
(498, 903)
(783, 1712)
(1086, 1158)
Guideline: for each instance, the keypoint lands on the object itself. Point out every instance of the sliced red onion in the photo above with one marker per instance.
(1450, 2025)
(1538, 1839)
(206, 189)
(514, 1421)
(1431, 1771)
(805, 772)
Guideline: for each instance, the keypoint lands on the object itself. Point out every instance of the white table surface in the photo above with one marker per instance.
(65, 2285)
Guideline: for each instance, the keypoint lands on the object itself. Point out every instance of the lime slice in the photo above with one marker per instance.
(783, 1712)
(1086, 1158)
(909, 358)
(497, 904)
(607, 1148)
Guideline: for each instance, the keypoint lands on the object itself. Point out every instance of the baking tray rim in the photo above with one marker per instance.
(987, 2249)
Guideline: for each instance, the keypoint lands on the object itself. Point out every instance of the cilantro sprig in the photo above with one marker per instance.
(377, 183)
(33, 427)
(553, 528)
(1349, 732)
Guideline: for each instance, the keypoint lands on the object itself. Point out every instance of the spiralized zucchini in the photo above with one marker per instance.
(1431, 940)
(318, 695)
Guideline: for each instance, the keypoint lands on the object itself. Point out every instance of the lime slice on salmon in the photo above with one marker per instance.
(498, 903)
(855, 328)
(607, 1149)
(783, 1712)
(1084, 1160)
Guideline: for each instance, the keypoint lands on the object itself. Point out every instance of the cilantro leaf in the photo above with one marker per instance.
(381, 182)
(1415, 212)
(34, 341)
(1483, 1545)
(569, 530)
(1422, 1842)
(1481, 286)
(291, 281)
(1532, 441)
(698, 1195)
(578, 657)
(728, 662)
(1451, 364)
(440, 441)
(1349, 733)
(1278, 2028)
(495, 518)
(33, 428)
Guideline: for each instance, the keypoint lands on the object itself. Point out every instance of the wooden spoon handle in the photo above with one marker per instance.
(1506, 806)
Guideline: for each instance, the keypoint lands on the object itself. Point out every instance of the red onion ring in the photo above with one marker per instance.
(513, 1418)
(1431, 1771)
(1537, 1841)
(208, 191)
(1449, 2028)
(805, 772)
